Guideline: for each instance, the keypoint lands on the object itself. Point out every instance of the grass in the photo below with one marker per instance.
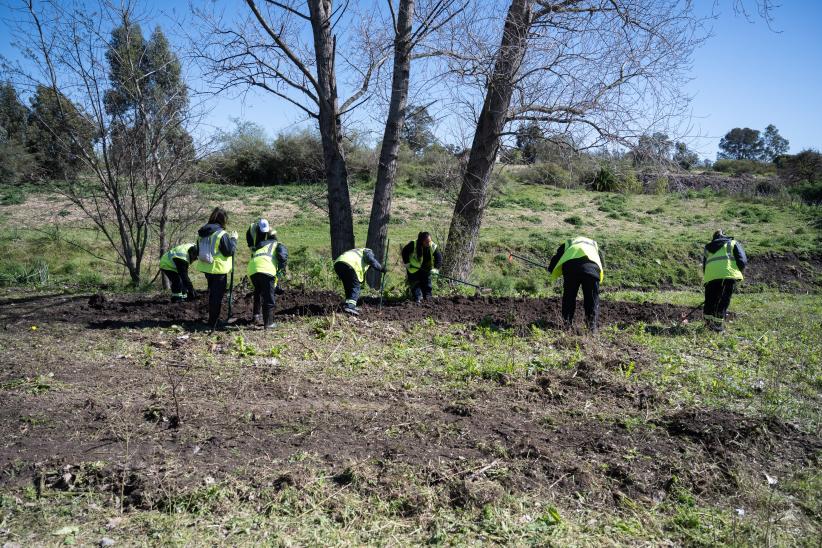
(768, 366)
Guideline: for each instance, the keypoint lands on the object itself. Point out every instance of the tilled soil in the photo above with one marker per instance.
(142, 311)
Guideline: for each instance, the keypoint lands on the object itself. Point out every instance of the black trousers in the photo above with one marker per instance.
(718, 299)
(351, 284)
(177, 287)
(420, 284)
(590, 293)
(217, 284)
(264, 286)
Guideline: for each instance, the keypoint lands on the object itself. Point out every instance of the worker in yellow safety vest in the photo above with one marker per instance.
(421, 259)
(351, 267)
(723, 262)
(267, 263)
(579, 262)
(215, 259)
(174, 265)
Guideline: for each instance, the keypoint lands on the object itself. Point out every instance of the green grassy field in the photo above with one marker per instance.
(330, 431)
(647, 240)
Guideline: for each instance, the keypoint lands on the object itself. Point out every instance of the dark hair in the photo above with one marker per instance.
(718, 234)
(421, 237)
(218, 217)
(192, 253)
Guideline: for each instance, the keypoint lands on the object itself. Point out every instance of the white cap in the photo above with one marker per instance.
(263, 224)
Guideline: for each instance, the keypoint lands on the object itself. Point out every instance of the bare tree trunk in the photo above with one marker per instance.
(339, 201)
(163, 237)
(387, 169)
(463, 235)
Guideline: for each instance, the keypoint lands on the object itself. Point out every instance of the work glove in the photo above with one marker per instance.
(233, 235)
(435, 271)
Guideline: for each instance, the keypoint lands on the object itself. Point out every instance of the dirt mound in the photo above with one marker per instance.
(157, 310)
(786, 271)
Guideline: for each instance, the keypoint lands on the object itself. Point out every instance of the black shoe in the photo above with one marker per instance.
(176, 299)
(351, 310)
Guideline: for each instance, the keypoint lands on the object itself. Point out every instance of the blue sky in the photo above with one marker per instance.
(746, 75)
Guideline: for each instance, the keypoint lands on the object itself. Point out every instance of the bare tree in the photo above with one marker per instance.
(590, 72)
(133, 142)
(268, 49)
(431, 16)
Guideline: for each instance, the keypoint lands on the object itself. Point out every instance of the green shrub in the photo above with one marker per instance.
(608, 180)
(809, 192)
(544, 174)
(574, 220)
(743, 167)
(13, 273)
(661, 185)
(12, 196)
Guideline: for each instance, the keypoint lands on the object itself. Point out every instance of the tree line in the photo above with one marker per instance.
(587, 73)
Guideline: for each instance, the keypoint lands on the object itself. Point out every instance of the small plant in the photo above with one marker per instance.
(661, 185)
(574, 220)
(242, 348)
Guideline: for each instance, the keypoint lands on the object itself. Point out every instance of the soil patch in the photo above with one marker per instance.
(153, 310)
(786, 271)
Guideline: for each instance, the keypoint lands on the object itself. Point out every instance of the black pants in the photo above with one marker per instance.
(264, 294)
(177, 287)
(216, 291)
(420, 284)
(590, 294)
(351, 284)
(717, 299)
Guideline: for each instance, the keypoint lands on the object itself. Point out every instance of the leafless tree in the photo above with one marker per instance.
(594, 71)
(137, 160)
(411, 23)
(268, 49)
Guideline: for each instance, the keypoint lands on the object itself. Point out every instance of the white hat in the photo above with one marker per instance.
(263, 224)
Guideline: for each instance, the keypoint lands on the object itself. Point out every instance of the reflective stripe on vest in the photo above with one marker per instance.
(576, 249)
(415, 263)
(355, 259)
(221, 264)
(176, 252)
(262, 261)
(721, 264)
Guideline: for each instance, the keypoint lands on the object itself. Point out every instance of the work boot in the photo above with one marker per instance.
(177, 299)
(268, 323)
(353, 310)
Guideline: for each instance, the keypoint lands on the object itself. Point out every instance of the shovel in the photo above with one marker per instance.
(531, 262)
(480, 289)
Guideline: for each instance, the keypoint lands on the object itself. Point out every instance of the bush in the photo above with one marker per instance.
(661, 185)
(743, 167)
(800, 168)
(437, 168)
(607, 180)
(544, 174)
(809, 192)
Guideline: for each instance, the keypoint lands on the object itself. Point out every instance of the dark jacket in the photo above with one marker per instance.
(281, 252)
(582, 265)
(739, 253)
(227, 245)
(426, 256)
(249, 237)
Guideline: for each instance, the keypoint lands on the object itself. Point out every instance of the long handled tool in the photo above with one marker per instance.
(455, 280)
(230, 290)
(526, 259)
(384, 268)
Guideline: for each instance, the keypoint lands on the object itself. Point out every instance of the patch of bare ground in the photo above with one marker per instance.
(189, 409)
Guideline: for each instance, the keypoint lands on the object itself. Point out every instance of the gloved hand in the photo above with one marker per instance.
(435, 271)
(233, 235)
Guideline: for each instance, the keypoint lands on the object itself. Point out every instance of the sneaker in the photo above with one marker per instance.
(351, 310)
